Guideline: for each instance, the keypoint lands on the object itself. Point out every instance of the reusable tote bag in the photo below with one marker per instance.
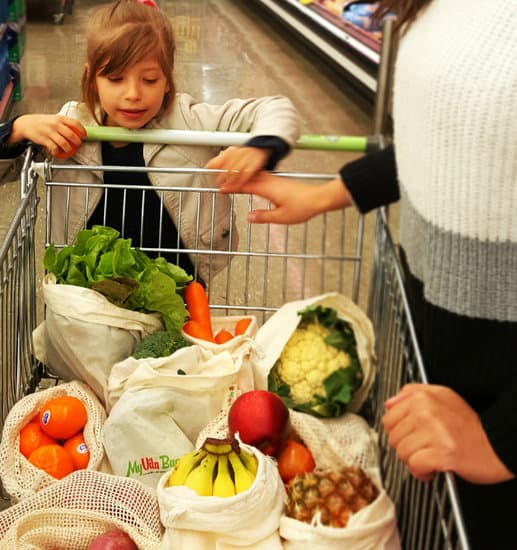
(84, 334)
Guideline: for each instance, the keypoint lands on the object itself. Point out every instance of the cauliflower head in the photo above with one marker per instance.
(307, 360)
(318, 369)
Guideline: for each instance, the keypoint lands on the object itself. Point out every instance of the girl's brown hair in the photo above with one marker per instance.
(122, 34)
(406, 11)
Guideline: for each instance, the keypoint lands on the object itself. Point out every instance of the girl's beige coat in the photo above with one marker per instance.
(203, 225)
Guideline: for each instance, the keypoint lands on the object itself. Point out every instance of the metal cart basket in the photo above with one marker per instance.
(270, 266)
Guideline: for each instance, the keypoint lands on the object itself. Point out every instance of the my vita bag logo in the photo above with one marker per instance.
(149, 464)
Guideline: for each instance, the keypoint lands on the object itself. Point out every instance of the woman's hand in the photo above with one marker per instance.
(60, 135)
(241, 163)
(432, 429)
(293, 201)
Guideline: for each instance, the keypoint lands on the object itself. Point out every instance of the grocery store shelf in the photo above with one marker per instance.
(343, 44)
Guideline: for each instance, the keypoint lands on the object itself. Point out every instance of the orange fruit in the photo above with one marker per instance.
(32, 437)
(294, 458)
(63, 417)
(53, 459)
(78, 450)
(241, 326)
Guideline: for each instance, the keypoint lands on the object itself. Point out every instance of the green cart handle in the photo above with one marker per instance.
(358, 144)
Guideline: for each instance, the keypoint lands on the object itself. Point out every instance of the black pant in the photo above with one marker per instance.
(476, 358)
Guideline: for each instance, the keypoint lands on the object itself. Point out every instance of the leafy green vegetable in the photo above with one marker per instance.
(100, 259)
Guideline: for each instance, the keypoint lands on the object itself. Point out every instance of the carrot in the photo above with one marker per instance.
(242, 325)
(196, 301)
(197, 330)
(223, 336)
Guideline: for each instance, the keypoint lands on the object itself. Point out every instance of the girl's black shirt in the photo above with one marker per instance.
(137, 213)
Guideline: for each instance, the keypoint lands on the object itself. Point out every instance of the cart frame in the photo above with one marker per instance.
(429, 515)
(284, 259)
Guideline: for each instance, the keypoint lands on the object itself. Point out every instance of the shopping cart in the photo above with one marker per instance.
(18, 297)
(270, 266)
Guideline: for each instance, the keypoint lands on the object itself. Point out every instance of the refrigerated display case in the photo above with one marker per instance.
(55, 10)
(352, 49)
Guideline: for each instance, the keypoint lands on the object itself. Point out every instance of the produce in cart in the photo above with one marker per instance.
(318, 370)
(244, 514)
(53, 440)
(220, 468)
(112, 540)
(161, 343)
(317, 355)
(103, 261)
(329, 497)
(75, 416)
(261, 419)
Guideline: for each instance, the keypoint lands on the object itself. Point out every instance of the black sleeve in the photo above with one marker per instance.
(372, 180)
(10, 151)
(279, 148)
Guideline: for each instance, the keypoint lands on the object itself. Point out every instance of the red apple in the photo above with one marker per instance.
(261, 419)
(113, 540)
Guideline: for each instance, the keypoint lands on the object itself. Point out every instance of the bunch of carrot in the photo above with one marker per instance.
(199, 324)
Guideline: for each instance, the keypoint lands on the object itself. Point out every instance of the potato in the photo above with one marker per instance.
(112, 540)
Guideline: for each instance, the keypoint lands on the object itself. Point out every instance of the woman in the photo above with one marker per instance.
(454, 169)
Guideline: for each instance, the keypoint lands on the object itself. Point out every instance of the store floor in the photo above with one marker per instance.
(225, 48)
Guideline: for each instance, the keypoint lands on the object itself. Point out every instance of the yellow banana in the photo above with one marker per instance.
(200, 478)
(249, 460)
(223, 483)
(184, 466)
(243, 478)
(218, 446)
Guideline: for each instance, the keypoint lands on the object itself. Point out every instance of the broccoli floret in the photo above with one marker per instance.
(159, 344)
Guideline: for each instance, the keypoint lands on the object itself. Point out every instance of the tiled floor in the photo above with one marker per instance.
(225, 48)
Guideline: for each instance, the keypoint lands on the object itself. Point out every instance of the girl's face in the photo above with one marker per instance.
(134, 96)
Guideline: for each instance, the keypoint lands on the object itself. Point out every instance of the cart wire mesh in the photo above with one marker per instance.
(270, 266)
(429, 515)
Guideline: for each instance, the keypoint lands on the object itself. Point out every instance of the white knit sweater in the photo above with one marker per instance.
(455, 112)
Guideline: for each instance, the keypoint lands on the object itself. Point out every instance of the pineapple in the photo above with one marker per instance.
(333, 495)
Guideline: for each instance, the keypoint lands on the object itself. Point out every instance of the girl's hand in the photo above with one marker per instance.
(60, 135)
(242, 164)
(433, 429)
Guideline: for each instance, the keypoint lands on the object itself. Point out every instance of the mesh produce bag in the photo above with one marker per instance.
(19, 477)
(71, 512)
(344, 441)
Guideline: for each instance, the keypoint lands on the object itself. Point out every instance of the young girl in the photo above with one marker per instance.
(128, 82)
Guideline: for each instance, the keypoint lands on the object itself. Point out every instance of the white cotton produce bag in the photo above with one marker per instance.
(273, 335)
(84, 334)
(248, 520)
(156, 414)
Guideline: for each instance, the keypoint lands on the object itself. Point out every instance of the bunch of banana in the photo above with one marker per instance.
(219, 468)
